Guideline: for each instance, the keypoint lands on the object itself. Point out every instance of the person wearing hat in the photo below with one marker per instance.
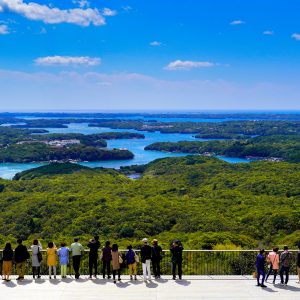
(156, 258)
(146, 252)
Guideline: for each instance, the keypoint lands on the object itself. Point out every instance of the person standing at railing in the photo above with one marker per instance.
(285, 262)
(51, 259)
(260, 267)
(106, 259)
(21, 255)
(146, 253)
(77, 251)
(94, 246)
(7, 261)
(156, 258)
(298, 262)
(63, 253)
(131, 262)
(176, 258)
(116, 261)
(35, 256)
(273, 259)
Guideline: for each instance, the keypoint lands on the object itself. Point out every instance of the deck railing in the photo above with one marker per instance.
(195, 262)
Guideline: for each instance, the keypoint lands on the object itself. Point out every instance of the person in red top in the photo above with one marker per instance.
(273, 260)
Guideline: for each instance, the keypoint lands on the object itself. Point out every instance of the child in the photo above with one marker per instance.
(63, 253)
(51, 259)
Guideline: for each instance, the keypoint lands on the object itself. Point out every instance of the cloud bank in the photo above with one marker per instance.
(49, 15)
(188, 65)
(67, 61)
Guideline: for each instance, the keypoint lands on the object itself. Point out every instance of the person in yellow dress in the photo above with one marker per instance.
(51, 259)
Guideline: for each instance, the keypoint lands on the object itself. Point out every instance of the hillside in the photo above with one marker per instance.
(203, 201)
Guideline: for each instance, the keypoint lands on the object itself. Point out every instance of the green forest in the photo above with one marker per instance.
(285, 147)
(205, 202)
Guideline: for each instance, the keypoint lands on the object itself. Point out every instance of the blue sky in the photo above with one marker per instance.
(141, 55)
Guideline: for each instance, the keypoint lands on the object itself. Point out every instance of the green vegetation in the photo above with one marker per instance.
(51, 170)
(33, 152)
(284, 147)
(204, 202)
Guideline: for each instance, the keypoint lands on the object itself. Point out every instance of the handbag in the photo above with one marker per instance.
(136, 258)
(120, 260)
(39, 255)
(254, 275)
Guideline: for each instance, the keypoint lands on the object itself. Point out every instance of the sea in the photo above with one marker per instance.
(136, 146)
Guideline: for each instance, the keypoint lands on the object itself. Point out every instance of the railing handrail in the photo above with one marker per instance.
(186, 250)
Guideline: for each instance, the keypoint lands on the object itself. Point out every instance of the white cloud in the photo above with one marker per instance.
(296, 36)
(47, 14)
(188, 65)
(268, 32)
(127, 8)
(155, 43)
(4, 29)
(237, 22)
(107, 12)
(67, 61)
(82, 3)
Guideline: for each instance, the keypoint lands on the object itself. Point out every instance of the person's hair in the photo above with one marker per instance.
(114, 247)
(261, 251)
(63, 244)
(154, 242)
(76, 240)
(129, 247)
(19, 241)
(35, 242)
(107, 243)
(7, 246)
(275, 249)
(285, 247)
(50, 245)
(96, 237)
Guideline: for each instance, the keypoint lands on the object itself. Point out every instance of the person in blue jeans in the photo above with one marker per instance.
(260, 268)
(285, 262)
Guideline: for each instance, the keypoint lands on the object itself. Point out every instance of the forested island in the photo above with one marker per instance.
(202, 201)
(21, 146)
(276, 147)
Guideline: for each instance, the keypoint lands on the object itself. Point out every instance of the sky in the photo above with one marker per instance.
(149, 55)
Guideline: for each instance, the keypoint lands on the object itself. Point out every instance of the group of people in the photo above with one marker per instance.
(276, 262)
(110, 257)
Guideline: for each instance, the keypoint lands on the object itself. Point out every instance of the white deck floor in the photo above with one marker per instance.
(191, 287)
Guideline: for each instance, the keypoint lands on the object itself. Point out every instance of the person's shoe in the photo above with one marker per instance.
(109, 277)
(95, 276)
(180, 278)
(115, 281)
(90, 277)
(33, 276)
(119, 279)
(54, 276)
(18, 278)
(135, 277)
(263, 286)
(258, 284)
(131, 277)
(174, 278)
(49, 277)
(298, 281)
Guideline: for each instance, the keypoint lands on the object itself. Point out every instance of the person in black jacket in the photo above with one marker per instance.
(94, 246)
(21, 255)
(298, 262)
(146, 253)
(156, 258)
(7, 261)
(176, 257)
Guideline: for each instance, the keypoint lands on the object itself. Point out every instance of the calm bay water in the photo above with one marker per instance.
(8, 170)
